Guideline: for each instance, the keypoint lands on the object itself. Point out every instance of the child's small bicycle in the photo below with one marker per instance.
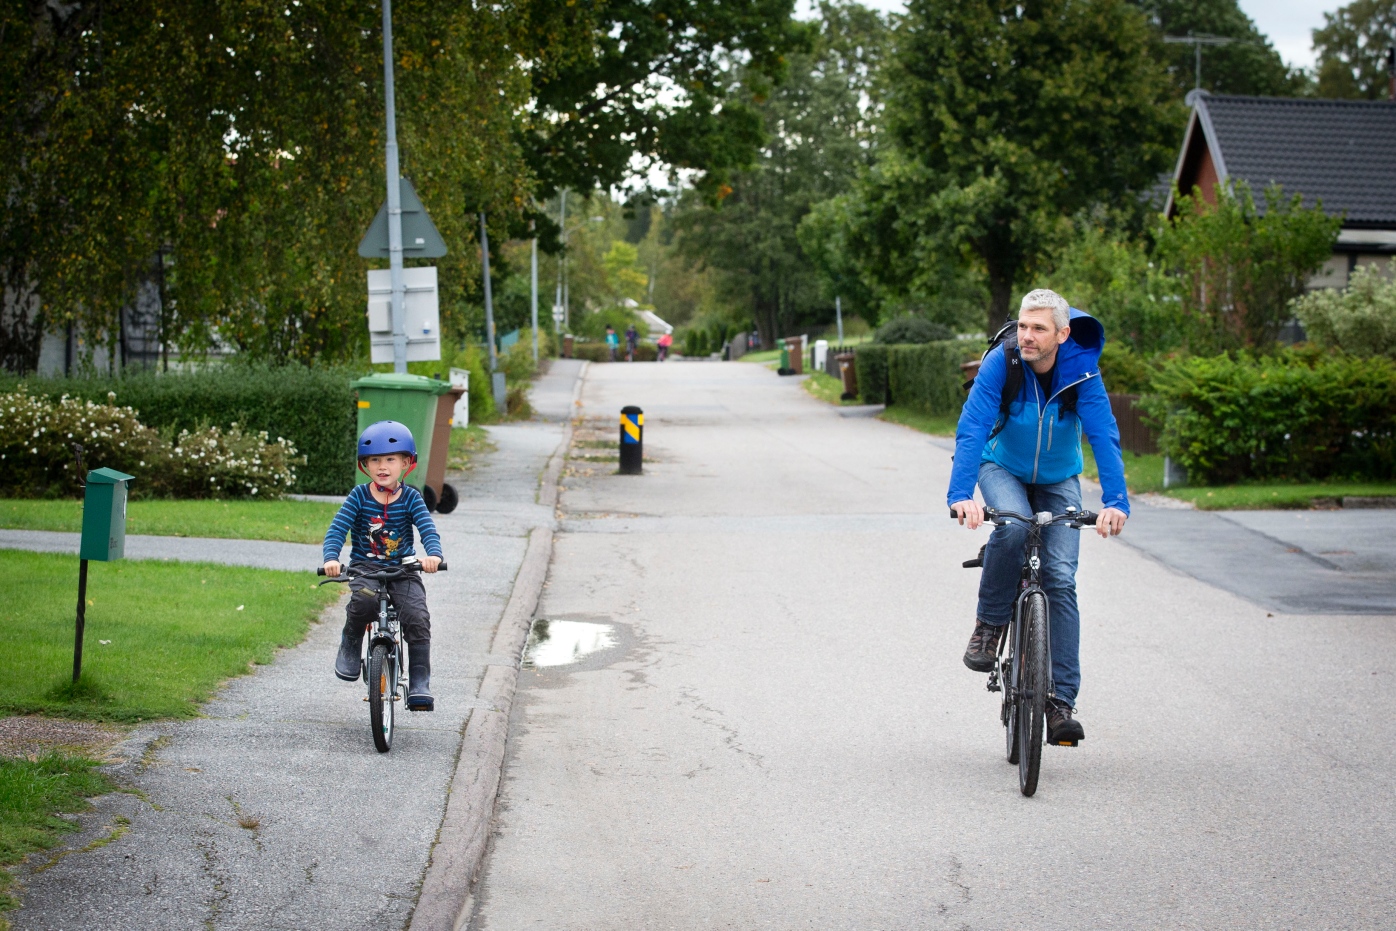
(384, 669)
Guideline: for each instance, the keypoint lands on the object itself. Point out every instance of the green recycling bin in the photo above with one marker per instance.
(411, 400)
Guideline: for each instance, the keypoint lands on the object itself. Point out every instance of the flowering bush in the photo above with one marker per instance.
(37, 435)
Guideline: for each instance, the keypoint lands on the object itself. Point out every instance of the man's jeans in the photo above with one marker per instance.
(1003, 562)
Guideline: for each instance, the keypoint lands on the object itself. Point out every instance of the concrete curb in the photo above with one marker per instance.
(445, 902)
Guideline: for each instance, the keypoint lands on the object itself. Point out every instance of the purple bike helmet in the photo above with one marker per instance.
(387, 436)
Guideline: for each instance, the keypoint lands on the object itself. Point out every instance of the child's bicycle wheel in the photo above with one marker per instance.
(382, 687)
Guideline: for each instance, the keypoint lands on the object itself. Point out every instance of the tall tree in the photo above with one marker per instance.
(1007, 118)
(1249, 65)
(1351, 50)
(621, 84)
(821, 127)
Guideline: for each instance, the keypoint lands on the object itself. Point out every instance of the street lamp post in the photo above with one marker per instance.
(394, 200)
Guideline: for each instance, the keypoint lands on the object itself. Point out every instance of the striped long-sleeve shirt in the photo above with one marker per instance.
(379, 533)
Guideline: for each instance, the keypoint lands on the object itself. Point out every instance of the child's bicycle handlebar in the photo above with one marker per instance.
(386, 574)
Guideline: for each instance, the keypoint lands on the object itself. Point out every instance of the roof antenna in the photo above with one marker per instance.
(1391, 70)
(1197, 42)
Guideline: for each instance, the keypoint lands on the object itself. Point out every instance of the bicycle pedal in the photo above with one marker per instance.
(1066, 743)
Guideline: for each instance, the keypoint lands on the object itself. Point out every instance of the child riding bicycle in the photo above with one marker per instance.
(1019, 439)
(378, 517)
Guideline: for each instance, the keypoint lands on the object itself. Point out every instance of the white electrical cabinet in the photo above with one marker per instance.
(420, 307)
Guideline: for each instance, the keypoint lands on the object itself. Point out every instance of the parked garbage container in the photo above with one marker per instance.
(417, 402)
(795, 348)
(849, 374)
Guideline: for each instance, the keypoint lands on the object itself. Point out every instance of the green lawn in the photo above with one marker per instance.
(294, 521)
(32, 793)
(938, 424)
(1249, 497)
(173, 632)
(826, 388)
(764, 355)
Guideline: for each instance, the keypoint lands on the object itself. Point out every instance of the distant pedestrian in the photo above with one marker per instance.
(665, 342)
(612, 341)
(632, 342)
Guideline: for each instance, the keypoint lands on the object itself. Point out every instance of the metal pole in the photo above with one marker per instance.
(394, 200)
(838, 315)
(82, 619)
(489, 296)
(533, 295)
(1197, 66)
(561, 225)
(566, 300)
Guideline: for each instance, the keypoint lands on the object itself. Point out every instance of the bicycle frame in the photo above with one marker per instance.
(1029, 582)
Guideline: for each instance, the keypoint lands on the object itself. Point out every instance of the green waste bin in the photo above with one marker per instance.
(412, 400)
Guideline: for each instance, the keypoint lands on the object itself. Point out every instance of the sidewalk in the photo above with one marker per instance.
(274, 811)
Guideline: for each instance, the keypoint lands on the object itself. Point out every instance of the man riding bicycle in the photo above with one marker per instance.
(1019, 437)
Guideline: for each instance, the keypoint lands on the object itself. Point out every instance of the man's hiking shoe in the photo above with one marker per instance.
(983, 647)
(349, 661)
(419, 677)
(1062, 728)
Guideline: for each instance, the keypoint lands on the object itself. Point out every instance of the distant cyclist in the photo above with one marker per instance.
(1019, 437)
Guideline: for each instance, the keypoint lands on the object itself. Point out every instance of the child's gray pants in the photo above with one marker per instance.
(409, 595)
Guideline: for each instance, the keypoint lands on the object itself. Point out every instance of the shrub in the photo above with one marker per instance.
(1360, 320)
(597, 352)
(908, 329)
(314, 409)
(1291, 416)
(1125, 371)
(37, 434)
(928, 378)
(870, 362)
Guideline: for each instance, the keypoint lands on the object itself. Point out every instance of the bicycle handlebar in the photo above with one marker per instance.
(386, 574)
(1077, 519)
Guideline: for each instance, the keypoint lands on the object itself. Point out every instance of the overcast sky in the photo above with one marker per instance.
(1288, 23)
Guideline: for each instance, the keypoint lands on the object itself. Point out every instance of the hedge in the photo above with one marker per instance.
(924, 377)
(1295, 416)
(313, 408)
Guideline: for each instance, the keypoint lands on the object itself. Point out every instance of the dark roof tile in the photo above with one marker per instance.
(1339, 152)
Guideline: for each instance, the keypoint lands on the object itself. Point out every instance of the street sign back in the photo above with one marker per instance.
(420, 240)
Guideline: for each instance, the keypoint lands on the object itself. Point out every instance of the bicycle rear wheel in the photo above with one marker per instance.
(1034, 681)
(382, 686)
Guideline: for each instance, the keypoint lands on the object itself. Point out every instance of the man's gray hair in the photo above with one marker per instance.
(1047, 299)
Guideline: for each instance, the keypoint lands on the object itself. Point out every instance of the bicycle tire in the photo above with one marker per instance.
(382, 686)
(1034, 682)
(1009, 712)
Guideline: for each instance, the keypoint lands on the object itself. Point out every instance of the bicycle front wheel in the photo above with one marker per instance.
(382, 686)
(1034, 681)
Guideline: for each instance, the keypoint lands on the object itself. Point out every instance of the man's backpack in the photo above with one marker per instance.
(1006, 339)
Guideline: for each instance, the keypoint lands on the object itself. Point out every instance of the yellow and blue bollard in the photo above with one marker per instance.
(632, 440)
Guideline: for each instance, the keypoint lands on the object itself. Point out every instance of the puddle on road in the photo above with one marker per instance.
(561, 643)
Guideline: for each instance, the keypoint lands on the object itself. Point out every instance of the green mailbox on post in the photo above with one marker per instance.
(104, 515)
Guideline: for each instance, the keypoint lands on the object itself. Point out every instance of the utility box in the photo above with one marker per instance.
(104, 515)
(411, 400)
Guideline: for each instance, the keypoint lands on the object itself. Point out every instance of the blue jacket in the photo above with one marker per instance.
(1039, 443)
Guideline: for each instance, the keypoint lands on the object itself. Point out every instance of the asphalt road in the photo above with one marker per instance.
(273, 810)
(777, 731)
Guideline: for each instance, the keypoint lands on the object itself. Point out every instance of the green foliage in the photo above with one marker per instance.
(1351, 49)
(1248, 66)
(175, 632)
(312, 408)
(1113, 278)
(37, 435)
(1360, 320)
(909, 329)
(1292, 416)
(474, 360)
(1125, 371)
(1240, 267)
(592, 326)
(597, 352)
(928, 378)
(820, 128)
(1005, 120)
(624, 80)
(871, 363)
